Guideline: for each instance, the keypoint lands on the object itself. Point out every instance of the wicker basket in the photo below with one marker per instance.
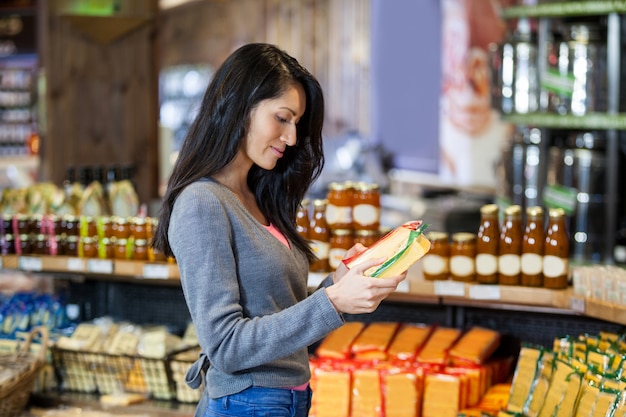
(179, 365)
(18, 373)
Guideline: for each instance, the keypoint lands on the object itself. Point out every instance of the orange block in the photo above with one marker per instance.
(373, 341)
(475, 346)
(435, 351)
(408, 341)
(332, 395)
(442, 395)
(401, 394)
(366, 393)
(338, 343)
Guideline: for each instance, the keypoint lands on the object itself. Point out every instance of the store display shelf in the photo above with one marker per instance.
(566, 8)
(601, 121)
(163, 271)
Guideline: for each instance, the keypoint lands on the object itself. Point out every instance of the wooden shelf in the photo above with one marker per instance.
(566, 8)
(414, 290)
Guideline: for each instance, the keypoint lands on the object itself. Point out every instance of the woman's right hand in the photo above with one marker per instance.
(356, 293)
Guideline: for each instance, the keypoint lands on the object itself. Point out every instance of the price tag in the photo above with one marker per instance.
(75, 264)
(484, 292)
(29, 263)
(155, 271)
(100, 266)
(453, 288)
(403, 286)
(577, 304)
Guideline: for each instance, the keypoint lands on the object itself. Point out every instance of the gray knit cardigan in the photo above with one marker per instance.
(246, 293)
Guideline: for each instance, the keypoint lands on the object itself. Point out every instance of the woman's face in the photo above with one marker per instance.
(273, 127)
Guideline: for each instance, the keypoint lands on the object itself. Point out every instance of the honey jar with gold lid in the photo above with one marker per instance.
(340, 241)
(319, 235)
(463, 257)
(366, 206)
(436, 262)
(339, 205)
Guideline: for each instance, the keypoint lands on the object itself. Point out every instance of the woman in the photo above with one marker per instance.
(228, 217)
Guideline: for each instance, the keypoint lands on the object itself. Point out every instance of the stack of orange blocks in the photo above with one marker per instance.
(388, 369)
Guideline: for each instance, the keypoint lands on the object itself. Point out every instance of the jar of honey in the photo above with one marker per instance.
(121, 228)
(302, 219)
(463, 257)
(366, 237)
(70, 225)
(339, 206)
(88, 226)
(138, 228)
(532, 248)
(340, 241)
(487, 240)
(105, 227)
(23, 223)
(121, 249)
(7, 224)
(319, 235)
(140, 250)
(436, 262)
(155, 255)
(366, 206)
(70, 246)
(8, 244)
(88, 247)
(510, 247)
(106, 248)
(556, 252)
(41, 245)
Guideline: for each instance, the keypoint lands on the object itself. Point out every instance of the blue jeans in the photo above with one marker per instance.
(259, 402)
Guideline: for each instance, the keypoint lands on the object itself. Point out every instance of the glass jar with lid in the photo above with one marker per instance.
(510, 246)
(340, 241)
(487, 241)
(366, 206)
(556, 251)
(339, 205)
(366, 237)
(532, 248)
(138, 229)
(463, 257)
(302, 219)
(319, 235)
(436, 262)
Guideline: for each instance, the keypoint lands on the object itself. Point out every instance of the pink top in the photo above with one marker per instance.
(274, 231)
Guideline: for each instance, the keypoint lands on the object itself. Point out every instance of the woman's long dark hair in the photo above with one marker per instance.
(253, 73)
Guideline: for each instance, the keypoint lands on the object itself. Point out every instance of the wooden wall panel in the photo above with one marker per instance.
(102, 98)
(329, 37)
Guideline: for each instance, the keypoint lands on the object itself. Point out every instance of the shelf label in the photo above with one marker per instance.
(577, 304)
(100, 266)
(453, 288)
(28, 263)
(155, 271)
(75, 264)
(484, 292)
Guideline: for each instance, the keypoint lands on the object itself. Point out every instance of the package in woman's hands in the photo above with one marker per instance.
(401, 248)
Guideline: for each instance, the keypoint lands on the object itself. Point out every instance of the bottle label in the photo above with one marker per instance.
(553, 266)
(335, 256)
(532, 264)
(435, 264)
(462, 266)
(509, 264)
(486, 264)
(365, 214)
(320, 249)
(338, 214)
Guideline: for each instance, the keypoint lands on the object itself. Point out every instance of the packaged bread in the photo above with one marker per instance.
(401, 248)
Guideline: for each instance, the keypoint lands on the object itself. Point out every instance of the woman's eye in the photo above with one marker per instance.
(281, 119)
